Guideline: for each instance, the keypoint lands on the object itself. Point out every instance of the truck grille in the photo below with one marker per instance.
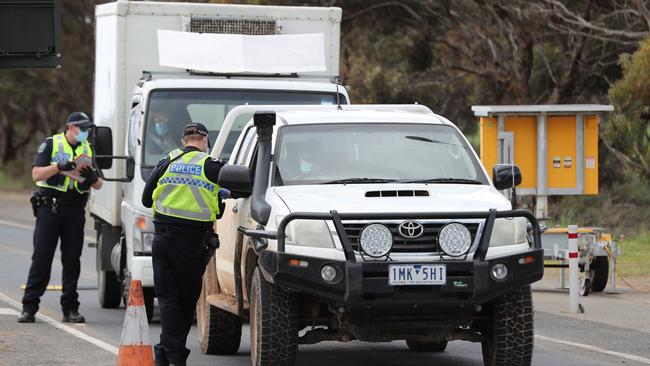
(233, 26)
(426, 243)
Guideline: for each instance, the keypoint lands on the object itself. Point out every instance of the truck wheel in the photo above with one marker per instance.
(508, 333)
(418, 346)
(274, 324)
(148, 294)
(600, 268)
(109, 291)
(219, 330)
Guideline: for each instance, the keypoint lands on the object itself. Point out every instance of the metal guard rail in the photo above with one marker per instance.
(338, 219)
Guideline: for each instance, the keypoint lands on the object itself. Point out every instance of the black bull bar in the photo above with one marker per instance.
(338, 218)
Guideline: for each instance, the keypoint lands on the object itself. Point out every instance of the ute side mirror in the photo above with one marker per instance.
(102, 143)
(237, 179)
(505, 176)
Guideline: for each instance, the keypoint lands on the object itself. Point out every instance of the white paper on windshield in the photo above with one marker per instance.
(236, 53)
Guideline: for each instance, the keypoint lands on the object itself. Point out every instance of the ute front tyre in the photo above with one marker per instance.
(418, 346)
(508, 332)
(274, 324)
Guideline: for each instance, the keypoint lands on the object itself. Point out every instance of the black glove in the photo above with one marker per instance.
(90, 175)
(66, 166)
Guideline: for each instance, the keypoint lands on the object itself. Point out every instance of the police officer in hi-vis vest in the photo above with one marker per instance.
(62, 169)
(185, 197)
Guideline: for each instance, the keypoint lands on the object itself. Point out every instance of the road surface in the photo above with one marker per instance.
(560, 339)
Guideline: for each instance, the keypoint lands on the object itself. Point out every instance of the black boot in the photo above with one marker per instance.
(73, 316)
(26, 317)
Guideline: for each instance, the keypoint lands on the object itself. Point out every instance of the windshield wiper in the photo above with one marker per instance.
(360, 180)
(444, 180)
(426, 139)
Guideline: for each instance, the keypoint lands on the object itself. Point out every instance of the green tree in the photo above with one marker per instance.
(627, 133)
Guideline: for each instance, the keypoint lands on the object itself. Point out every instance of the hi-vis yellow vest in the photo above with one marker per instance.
(184, 191)
(62, 151)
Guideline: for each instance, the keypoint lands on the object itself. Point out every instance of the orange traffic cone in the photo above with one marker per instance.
(135, 347)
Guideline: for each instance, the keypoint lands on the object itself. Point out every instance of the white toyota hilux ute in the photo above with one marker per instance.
(367, 222)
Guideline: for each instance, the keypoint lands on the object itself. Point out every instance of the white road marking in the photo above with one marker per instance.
(17, 225)
(7, 311)
(31, 227)
(81, 335)
(595, 349)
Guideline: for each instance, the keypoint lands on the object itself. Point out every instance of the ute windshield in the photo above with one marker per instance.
(374, 153)
(170, 110)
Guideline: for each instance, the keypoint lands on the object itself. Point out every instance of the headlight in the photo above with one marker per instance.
(376, 240)
(143, 234)
(508, 231)
(309, 233)
(455, 239)
(147, 241)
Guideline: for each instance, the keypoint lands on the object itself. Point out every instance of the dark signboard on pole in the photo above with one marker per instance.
(30, 34)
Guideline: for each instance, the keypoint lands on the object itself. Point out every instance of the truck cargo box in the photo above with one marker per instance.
(127, 44)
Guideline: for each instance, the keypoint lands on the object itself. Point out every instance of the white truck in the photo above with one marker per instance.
(366, 222)
(141, 107)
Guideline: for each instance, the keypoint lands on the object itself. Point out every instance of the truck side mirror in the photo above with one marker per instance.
(505, 176)
(102, 143)
(237, 179)
(130, 168)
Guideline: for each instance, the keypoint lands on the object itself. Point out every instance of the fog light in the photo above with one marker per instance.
(499, 272)
(328, 273)
(376, 240)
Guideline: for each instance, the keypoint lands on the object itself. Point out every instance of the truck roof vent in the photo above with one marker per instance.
(401, 193)
(232, 26)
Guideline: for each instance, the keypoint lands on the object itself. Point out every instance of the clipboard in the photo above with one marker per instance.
(82, 161)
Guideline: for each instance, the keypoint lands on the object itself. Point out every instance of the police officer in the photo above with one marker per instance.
(184, 194)
(59, 210)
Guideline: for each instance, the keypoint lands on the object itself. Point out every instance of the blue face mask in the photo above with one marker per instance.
(161, 128)
(82, 136)
(307, 167)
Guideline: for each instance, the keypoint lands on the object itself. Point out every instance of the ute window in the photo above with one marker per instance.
(375, 153)
(168, 111)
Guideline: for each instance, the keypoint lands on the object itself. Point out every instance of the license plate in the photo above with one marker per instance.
(416, 274)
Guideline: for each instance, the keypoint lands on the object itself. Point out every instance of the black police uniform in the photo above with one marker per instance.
(179, 261)
(58, 215)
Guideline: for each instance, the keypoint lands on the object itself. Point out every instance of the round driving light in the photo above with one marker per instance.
(328, 273)
(376, 240)
(499, 272)
(455, 239)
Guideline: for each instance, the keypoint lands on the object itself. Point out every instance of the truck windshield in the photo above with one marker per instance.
(170, 110)
(374, 153)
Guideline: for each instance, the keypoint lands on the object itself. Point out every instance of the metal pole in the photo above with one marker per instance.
(574, 290)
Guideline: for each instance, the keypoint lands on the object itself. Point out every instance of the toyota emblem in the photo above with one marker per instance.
(411, 229)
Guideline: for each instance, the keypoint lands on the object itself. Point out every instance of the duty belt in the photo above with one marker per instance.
(53, 203)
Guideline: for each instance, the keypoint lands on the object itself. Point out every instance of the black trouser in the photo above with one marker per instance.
(66, 223)
(178, 267)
